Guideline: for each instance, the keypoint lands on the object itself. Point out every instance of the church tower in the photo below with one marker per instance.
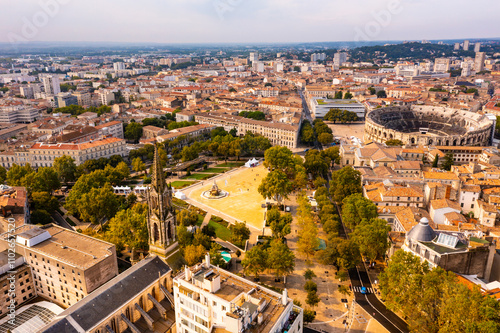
(161, 215)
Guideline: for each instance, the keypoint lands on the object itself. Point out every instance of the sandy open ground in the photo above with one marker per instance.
(244, 202)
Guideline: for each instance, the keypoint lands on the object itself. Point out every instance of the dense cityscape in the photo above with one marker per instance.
(249, 187)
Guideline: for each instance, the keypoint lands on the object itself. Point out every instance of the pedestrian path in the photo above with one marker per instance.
(206, 219)
(358, 290)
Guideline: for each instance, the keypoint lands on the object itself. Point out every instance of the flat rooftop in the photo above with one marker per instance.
(68, 246)
(232, 286)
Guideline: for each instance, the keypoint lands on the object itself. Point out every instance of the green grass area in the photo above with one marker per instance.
(216, 170)
(221, 231)
(201, 217)
(200, 176)
(180, 202)
(181, 184)
(176, 261)
(230, 165)
(320, 102)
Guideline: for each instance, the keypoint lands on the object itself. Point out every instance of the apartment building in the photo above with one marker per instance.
(112, 128)
(279, 134)
(51, 85)
(15, 288)
(386, 195)
(44, 154)
(17, 112)
(210, 299)
(66, 265)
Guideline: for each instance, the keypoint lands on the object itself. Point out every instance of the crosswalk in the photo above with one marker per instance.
(358, 289)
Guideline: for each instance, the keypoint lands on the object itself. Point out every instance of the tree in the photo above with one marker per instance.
(129, 227)
(84, 185)
(344, 290)
(309, 316)
(97, 204)
(348, 95)
(45, 180)
(435, 163)
(240, 233)
(189, 153)
(333, 154)
(45, 201)
(216, 255)
(381, 94)
(280, 158)
(307, 134)
(338, 94)
(133, 132)
(41, 216)
(194, 254)
(279, 223)
(276, 186)
(184, 237)
(255, 261)
(280, 258)
(394, 142)
(309, 274)
(325, 138)
(308, 239)
(310, 286)
(123, 169)
(3, 174)
(345, 182)
(66, 168)
(356, 208)
(341, 253)
(448, 162)
(372, 238)
(138, 165)
(315, 163)
(187, 217)
(16, 173)
(312, 299)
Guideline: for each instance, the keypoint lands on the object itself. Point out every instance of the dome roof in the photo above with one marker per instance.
(422, 232)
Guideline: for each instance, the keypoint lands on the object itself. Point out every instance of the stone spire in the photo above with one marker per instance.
(157, 175)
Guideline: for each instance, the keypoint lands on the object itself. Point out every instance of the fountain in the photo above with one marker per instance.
(215, 193)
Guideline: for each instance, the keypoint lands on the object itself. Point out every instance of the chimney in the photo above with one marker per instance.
(187, 273)
(207, 260)
(284, 299)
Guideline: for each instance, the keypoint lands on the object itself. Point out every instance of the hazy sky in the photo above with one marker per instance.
(188, 21)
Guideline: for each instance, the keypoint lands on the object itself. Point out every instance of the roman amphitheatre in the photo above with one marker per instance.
(429, 125)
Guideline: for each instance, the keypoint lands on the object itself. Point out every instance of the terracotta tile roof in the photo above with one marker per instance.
(411, 216)
(444, 203)
(440, 175)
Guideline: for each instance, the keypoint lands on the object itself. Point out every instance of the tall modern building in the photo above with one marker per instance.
(161, 215)
(477, 47)
(479, 62)
(442, 65)
(118, 66)
(254, 56)
(210, 299)
(338, 59)
(51, 85)
(457, 46)
(466, 45)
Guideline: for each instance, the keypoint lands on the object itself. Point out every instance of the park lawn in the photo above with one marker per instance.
(178, 184)
(221, 231)
(201, 217)
(230, 165)
(216, 170)
(200, 176)
(176, 261)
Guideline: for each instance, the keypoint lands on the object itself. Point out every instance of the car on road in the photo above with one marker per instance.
(364, 291)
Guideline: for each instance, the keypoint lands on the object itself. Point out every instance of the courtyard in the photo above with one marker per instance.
(243, 204)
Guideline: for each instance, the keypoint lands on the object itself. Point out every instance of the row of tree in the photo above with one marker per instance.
(317, 131)
(343, 116)
(432, 300)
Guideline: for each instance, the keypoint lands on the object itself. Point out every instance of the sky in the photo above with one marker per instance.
(246, 21)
